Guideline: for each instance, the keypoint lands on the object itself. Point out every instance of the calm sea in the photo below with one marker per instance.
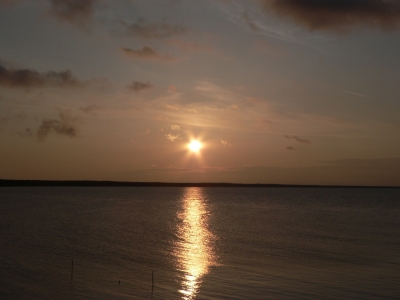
(199, 243)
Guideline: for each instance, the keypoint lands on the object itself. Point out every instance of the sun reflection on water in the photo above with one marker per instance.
(193, 251)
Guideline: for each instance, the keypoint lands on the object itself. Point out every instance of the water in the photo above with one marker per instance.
(200, 243)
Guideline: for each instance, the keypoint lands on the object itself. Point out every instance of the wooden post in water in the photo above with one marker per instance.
(72, 269)
(152, 281)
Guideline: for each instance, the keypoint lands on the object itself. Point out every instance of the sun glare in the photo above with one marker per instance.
(195, 146)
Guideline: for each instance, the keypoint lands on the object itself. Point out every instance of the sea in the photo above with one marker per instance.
(199, 243)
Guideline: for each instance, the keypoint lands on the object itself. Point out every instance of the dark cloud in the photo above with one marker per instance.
(153, 31)
(65, 125)
(30, 78)
(297, 139)
(148, 53)
(138, 86)
(338, 15)
(73, 11)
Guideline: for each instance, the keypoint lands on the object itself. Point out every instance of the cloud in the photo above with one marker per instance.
(148, 53)
(250, 18)
(289, 148)
(250, 22)
(297, 139)
(65, 125)
(357, 94)
(153, 31)
(172, 107)
(175, 127)
(73, 11)
(337, 15)
(171, 137)
(216, 92)
(226, 143)
(138, 86)
(30, 78)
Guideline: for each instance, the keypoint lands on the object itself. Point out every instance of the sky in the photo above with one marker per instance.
(276, 91)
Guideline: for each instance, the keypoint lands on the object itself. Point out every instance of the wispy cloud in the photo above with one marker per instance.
(27, 78)
(175, 127)
(251, 18)
(172, 137)
(297, 139)
(250, 22)
(65, 125)
(216, 92)
(154, 30)
(138, 86)
(337, 16)
(78, 12)
(148, 53)
(357, 94)
(226, 143)
(172, 107)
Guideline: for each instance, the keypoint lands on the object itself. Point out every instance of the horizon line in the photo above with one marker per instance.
(111, 183)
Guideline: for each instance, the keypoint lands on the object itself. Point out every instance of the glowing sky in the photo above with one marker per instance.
(278, 91)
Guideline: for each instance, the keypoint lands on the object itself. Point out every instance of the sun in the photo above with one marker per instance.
(195, 146)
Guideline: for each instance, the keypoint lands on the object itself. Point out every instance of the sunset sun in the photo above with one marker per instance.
(195, 146)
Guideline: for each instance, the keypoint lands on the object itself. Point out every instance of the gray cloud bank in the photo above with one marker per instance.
(337, 15)
(30, 78)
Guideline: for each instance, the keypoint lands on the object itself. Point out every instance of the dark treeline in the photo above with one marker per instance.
(89, 183)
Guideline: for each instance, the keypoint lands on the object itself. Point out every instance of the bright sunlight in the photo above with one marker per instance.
(195, 146)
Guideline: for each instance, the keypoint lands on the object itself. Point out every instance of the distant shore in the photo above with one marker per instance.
(93, 183)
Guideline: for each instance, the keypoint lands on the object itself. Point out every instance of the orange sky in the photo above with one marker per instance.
(288, 92)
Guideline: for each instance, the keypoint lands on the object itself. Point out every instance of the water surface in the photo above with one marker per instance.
(200, 243)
